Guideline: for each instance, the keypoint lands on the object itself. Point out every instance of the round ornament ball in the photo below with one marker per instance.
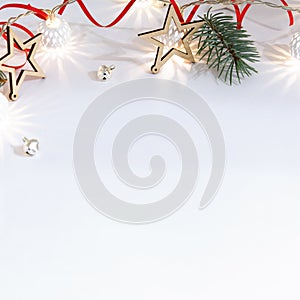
(295, 45)
(56, 32)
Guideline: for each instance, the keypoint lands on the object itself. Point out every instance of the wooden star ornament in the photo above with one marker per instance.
(182, 47)
(29, 47)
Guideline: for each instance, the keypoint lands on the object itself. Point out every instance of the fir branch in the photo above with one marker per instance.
(3, 79)
(226, 48)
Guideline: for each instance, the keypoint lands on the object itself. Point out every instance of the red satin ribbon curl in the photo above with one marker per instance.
(19, 26)
(125, 11)
(240, 15)
(37, 12)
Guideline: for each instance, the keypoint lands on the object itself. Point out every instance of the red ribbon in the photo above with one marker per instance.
(240, 15)
(90, 17)
(38, 12)
(125, 11)
(290, 13)
(192, 14)
(26, 50)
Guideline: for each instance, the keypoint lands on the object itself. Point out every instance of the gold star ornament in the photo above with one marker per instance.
(172, 40)
(29, 47)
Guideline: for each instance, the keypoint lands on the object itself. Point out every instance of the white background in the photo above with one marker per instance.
(245, 245)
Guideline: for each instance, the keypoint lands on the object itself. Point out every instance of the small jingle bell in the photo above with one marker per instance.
(105, 72)
(30, 147)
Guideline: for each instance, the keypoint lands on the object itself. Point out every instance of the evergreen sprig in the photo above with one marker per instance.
(226, 48)
(3, 78)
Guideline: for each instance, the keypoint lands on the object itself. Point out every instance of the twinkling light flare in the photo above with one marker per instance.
(13, 121)
(148, 3)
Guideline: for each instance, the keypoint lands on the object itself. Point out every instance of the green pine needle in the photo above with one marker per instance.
(3, 78)
(226, 48)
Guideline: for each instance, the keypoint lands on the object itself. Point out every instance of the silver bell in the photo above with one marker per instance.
(30, 147)
(105, 72)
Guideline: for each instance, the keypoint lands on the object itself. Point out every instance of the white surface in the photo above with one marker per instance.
(245, 245)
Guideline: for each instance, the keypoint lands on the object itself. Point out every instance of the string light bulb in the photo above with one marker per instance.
(56, 32)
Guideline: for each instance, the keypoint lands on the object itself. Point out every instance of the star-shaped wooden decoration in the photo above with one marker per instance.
(186, 29)
(15, 81)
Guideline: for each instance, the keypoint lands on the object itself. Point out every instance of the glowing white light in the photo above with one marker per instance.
(144, 3)
(56, 32)
(173, 39)
(3, 113)
(148, 3)
(4, 120)
(14, 122)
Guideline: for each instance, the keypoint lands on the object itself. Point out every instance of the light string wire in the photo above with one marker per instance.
(58, 7)
(13, 20)
(238, 2)
(52, 11)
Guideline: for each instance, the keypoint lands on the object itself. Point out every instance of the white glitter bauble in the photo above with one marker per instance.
(56, 32)
(295, 45)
